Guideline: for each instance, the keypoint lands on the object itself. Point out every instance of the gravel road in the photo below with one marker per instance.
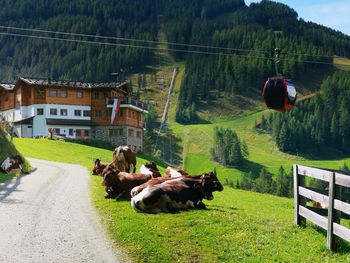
(47, 216)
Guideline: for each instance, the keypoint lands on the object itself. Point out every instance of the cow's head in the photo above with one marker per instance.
(97, 162)
(151, 169)
(109, 176)
(209, 184)
(152, 166)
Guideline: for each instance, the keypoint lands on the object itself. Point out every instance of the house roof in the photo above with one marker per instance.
(7, 86)
(122, 86)
(70, 122)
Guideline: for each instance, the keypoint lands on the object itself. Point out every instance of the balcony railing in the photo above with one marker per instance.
(128, 101)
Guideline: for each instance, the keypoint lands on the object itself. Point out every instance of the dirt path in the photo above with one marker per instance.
(47, 217)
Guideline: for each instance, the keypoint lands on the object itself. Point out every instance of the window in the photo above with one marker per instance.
(63, 93)
(77, 132)
(80, 94)
(77, 112)
(87, 133)
(121, 132)
(56, 130)
(112, 132)
(71, 132)
(40, 111)
(131, 132)
(63, 112)
(87, 113)
(53, 111)
(138, 134)
(53, 93)
(97, 95)
(40, 92)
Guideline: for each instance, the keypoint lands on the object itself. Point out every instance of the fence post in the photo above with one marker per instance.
(298, 200)
(330, 236)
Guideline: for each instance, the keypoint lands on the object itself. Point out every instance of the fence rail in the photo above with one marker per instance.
(332, 198)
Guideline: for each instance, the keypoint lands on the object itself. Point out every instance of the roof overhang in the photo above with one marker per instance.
(70, 122)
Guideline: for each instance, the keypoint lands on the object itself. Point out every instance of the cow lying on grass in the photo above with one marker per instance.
(98, 167)
(119, 184)
(177, 194)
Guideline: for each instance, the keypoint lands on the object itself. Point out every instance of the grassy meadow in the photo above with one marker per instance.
(236, 226)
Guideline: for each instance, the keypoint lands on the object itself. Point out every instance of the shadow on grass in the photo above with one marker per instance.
(220, 208)
(342, 247)
(249, 166)
(8, 187)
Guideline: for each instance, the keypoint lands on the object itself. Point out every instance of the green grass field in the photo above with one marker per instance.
(236, 226)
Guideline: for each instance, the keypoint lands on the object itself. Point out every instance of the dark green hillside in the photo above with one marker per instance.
(47, 58)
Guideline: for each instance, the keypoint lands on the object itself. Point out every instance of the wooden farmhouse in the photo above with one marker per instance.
(74, 110)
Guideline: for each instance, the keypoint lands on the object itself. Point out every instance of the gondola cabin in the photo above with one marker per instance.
(279, 94)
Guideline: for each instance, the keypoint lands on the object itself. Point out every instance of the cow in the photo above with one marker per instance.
(12, 162)
(98, 167)
(124, 158)
(158, 180)
(173, 172)
(150, 168)
(182, 193)
(119, 184)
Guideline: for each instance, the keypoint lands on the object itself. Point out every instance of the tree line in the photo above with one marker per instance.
(316, 124)
(229, 149)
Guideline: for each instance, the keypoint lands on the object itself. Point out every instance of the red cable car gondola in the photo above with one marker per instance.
(279, 93)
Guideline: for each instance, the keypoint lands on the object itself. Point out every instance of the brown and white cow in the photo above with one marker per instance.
(119, 184)
(98, 167)
(124, 158)
(158, 180)
(151, 169)
(173, 172)
(177, 194)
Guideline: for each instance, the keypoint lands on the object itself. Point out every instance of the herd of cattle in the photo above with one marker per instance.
(148, 190)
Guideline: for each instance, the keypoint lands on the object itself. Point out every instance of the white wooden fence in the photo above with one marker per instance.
(331, 198)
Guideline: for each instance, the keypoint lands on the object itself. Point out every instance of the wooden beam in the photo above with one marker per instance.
(314, 173)
(343, 180)
(342, 206)
(322, 199)
(313, 217)
(341, 231)
(317, 210)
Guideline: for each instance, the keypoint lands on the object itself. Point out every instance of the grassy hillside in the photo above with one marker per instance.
(237, 226)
